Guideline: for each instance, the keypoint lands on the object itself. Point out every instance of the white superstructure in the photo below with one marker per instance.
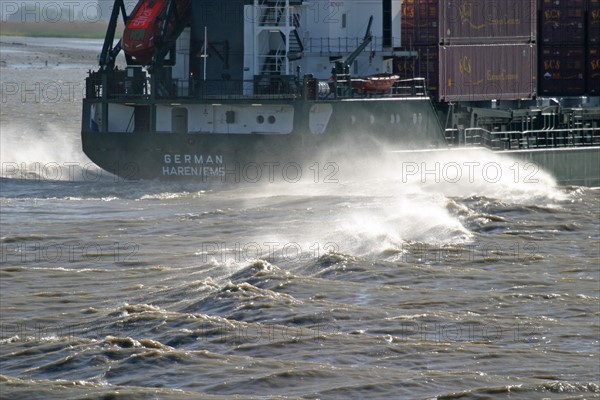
(288, 37)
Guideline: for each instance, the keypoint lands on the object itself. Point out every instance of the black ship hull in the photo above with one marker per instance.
(345, 127)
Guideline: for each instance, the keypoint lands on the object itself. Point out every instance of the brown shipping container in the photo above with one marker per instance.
(593, 71)
(487, 72)
(419, 22)
(593, 22)
(488, 21)
(562, 70)
(562, 22)
(429, 22)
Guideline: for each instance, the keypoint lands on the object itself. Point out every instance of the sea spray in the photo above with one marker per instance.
(46, 154)
(383, 204)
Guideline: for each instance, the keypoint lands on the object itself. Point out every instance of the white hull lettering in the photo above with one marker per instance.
(193, 171)
(198, 159)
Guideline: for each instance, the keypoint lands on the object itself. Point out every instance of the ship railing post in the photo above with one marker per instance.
(153, 87)
(152, 113)
(205, 55)
(335, 86)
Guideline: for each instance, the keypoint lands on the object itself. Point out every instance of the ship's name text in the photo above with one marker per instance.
(192, 159)
(193, 165)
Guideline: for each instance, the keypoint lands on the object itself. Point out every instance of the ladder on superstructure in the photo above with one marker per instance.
(280, 17)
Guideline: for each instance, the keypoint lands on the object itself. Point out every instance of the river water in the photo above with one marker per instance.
(364, 280)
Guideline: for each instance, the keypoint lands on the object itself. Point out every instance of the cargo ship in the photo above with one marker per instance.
(214, 88)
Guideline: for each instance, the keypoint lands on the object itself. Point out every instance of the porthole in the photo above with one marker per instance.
(271, 119)
(260, 119)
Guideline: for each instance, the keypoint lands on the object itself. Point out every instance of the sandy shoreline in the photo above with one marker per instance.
(42, 85)
(48, 29)
(24, 52)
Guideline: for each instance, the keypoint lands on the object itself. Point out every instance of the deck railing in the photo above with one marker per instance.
(529, 139)
(342, 45)
(128, 89)
(118, 86)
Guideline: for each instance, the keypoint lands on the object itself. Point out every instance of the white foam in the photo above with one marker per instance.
(48, 154)
(404, 196)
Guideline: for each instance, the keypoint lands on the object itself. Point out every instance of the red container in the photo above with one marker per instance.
(562, 70)
(593, 22)
(488, 21)
(429, 22)
(487, 72)
(593, 71)
(562, 22)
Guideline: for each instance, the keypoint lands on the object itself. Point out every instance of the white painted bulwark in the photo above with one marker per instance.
(236, 119)
(163, 118)
(120, 117)
(244, 119)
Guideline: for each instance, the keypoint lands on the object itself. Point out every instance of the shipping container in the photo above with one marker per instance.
(562, 22)
(593, 22)
(424, 64)
(429, 22)
(420, 22)
(593, 71)
(488, 21)
(562, 70)
(487, 72)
